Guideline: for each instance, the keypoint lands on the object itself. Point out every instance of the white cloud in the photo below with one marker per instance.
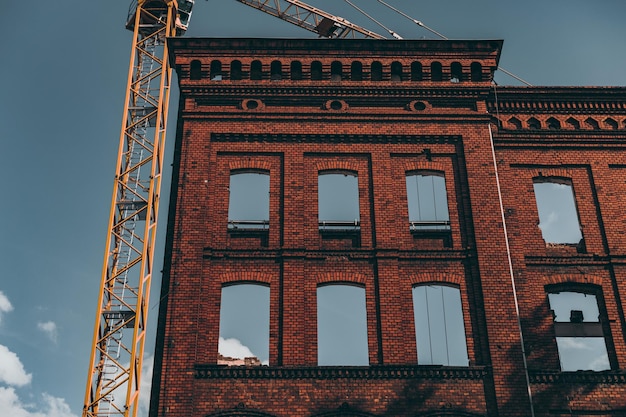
(11, 369)
(5, 305)
(233, 348)
(49, 328)
(11, 405)
(146, 385)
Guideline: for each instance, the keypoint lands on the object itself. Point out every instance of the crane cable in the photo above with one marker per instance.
(391, 32)
(421, 24)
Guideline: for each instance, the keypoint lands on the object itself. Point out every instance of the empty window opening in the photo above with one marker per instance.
(592, 123)
(558, 216)
(338, 201)
(579, 335)
(534, 124)
(356, 71)
(428, 201)
(276, 71)
(417, 73)
(235, 70)
(249, 200)
(216, 70)
(573, 123)
(244, 325)
(436, 73)
(376, 71)
(256, 70)
(341, 325)
(439, 326)
(553, 124)
(611, 123)
(316, 70)
(456, 72)
(396, 71)
(515, 123)
(195, 70)
(476, 70)
(296, 70)
(336, 71)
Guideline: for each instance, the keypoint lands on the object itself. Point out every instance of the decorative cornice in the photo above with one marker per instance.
(333, 138)
(576, 260)
(580, 377)
(340, 372)
(337, 255)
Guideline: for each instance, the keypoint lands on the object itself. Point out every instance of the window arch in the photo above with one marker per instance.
(296, 70)
(476, 70)
(216, 70)
(316, 70)
(249, 200)
(336, 71)
(244, 324)
(256, 70)
(436, 72)
(439, 325)
(579, 319)
(376, 71)
(397, 72)
(236, 72)
(195, 70)
(558, 215)
(427, 201)
(338, 200)
(416, 71)
(456, 72)
(342, 325)
(356, 71)
(276, 71)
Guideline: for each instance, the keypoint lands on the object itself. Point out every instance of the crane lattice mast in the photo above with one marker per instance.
(120, 328)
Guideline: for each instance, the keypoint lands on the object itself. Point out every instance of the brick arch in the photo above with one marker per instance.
(434, 277)
(572, 278)
(550, 172)
(251, 164)
(423, 166)
(337, 277)
(245, 276)
(337, 165)
(241, 412)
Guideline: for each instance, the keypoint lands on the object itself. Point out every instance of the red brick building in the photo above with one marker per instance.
(396, 171)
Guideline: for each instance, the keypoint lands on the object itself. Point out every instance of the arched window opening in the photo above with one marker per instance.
(256, 70)
(573, 123)
(534, 124)
(580, 339)
(336, 71)
(195, 70)
(244, 325)
(341, 325)
(553, 124)
(592, 123)
(611, 123)
(515, 123)
(558, 215)
(456, 72)
(316, 70)
(249, 201)
(436, 72)
(396, 71)
(235, 70)
(338, 201)
(417, 73)
(476, 70)
(376, 71)
(216, 70)
(428, 202)
(356, 71)
(296, 70)
(276, 71)
(439, 325)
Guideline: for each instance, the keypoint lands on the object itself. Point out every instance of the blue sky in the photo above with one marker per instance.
(64, 70)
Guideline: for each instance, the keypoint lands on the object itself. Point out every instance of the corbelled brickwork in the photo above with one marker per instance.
(382, 110)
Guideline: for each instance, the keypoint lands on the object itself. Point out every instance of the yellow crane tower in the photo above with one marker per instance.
(120, 326)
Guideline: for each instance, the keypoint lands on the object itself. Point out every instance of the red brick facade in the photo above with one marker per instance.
(409, 120)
